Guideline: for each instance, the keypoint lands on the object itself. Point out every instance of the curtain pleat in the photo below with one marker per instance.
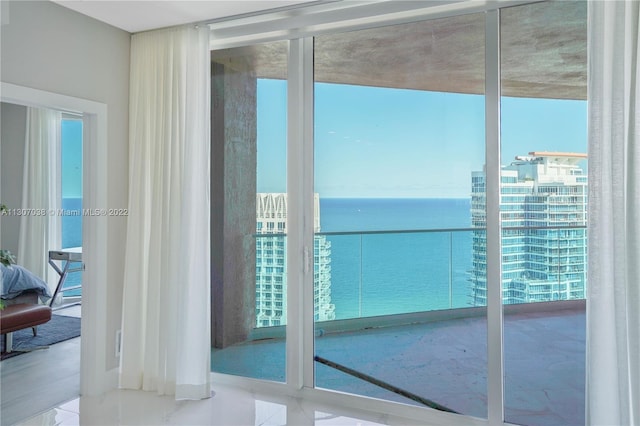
(166, 307)
(613, 304)
(41, 190)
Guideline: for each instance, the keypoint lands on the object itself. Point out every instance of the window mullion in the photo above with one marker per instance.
(495, 353)
(300, 215)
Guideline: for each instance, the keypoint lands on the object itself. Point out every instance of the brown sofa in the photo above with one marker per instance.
(22, 315)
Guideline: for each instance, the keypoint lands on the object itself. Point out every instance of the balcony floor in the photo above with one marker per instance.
(445, 361)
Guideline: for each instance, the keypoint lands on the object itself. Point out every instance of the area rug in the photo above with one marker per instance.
(58, 329)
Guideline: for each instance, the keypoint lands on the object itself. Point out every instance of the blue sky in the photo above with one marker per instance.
(71, 158)
(379, 142)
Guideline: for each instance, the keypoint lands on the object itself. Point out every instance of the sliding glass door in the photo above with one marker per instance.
(399, 129)
(543, 211)
(249, 217)
(419, 187)
(71, 202)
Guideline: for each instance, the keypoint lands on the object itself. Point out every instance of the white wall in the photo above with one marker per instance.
(13, 128)
(48, 47)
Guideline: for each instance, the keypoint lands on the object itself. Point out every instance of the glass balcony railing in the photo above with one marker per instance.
(398, 272)
(367, 274)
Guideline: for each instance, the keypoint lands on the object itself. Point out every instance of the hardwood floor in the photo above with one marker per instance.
(34, 382)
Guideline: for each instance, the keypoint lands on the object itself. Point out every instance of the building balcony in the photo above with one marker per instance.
(408, 309)
(442, 356)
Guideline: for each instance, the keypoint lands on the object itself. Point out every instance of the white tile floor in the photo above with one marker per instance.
(33, 382)
(228, 406)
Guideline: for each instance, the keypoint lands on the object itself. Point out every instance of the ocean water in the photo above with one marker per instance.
(393, 214)
(72, 237)
(72, 225)
(397, 272)
(376, 273)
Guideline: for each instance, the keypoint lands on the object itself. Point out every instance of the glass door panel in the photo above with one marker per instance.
(249, 210)
(399, 138)
(543, 211)
(71, 202)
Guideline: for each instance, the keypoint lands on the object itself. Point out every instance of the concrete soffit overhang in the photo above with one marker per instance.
(436, 46)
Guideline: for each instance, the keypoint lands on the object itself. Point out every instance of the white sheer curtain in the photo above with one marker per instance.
(166, 307)
(40, 230)
(613, 306)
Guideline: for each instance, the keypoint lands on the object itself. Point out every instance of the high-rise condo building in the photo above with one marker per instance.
(271, 260)
(543, 208)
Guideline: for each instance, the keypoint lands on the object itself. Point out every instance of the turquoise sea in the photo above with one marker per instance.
(375, 271)
(72, 237)
(72, 225)
(382, 273)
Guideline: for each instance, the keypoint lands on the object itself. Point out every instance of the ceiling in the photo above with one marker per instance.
(142, 15)
(543, 46)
